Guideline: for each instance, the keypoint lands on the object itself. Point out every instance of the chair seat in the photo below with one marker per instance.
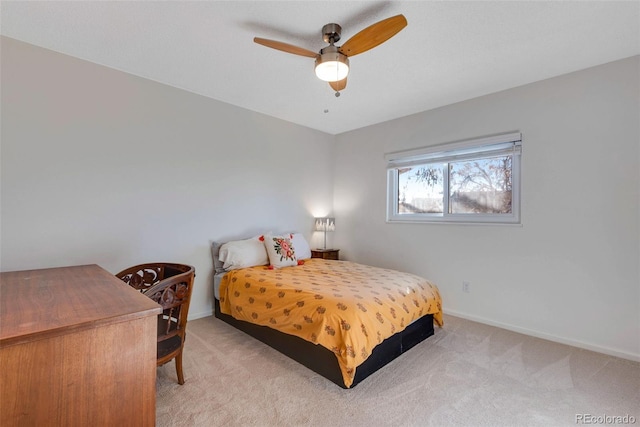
(169, 346)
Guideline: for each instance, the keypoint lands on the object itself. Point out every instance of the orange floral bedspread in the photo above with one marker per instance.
(346, 307)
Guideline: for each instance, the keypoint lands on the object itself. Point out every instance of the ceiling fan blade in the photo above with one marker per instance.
(339, 85)
(285, 47)
(373, 35)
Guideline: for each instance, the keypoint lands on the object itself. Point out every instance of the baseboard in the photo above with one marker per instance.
(194, 316)
(549, 337)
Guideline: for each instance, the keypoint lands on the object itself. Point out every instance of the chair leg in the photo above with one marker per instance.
(179, 368)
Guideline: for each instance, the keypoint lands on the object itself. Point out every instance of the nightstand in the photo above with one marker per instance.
(325, 253)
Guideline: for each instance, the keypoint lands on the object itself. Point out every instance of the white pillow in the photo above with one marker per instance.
(281, 250)
(243, 253)
(303, 250)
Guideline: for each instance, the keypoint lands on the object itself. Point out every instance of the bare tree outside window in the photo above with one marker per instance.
(475, 186)
(480, 186)
(420, 189)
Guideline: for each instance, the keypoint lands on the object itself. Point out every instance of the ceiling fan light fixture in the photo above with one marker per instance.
(332, 62)
(332, 66)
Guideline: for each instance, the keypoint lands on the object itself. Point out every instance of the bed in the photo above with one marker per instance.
(341, 319)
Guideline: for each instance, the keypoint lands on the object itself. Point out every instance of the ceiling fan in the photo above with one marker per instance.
(332, 62)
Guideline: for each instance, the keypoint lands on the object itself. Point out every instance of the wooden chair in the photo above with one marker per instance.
(170, 285)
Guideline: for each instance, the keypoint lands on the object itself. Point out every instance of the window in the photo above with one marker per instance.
(468, 181)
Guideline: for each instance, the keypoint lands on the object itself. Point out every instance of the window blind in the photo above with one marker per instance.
(492, 146)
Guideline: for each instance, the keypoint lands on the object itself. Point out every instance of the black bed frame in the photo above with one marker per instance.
(322, 360)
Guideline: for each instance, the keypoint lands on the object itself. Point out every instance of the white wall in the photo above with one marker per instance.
(99, 166)
(570, 272)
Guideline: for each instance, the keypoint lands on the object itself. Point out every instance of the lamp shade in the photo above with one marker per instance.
(325, 224)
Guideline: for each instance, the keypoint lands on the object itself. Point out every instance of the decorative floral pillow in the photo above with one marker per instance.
(280, 250)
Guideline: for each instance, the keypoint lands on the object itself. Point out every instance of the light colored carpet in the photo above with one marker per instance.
(467, 374)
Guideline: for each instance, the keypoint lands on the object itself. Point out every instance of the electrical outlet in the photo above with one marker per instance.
(466, 286)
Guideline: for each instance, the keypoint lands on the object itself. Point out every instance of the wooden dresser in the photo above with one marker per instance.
(77, 348)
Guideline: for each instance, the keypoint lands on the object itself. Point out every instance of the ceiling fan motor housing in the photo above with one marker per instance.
(331, 33)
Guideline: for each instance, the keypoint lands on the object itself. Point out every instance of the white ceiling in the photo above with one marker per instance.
(450, 51)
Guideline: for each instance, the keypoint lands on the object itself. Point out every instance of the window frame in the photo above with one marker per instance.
(476, 148)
